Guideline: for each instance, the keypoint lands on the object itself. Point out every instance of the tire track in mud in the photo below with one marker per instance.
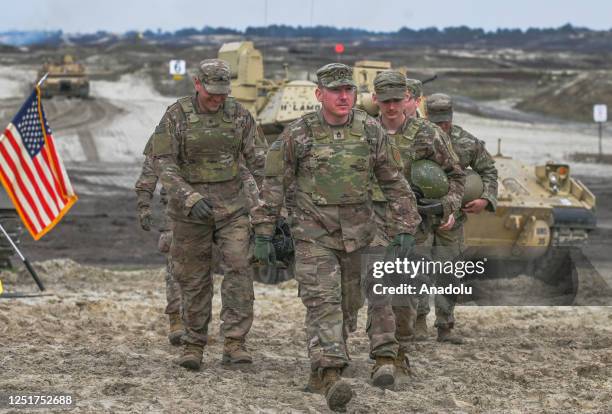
(66, 114)
(82, 115)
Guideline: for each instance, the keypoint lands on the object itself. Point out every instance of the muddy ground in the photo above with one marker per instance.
(100, 333)
(100, 337)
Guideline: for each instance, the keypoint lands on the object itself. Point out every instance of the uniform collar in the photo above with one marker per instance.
(402, 127)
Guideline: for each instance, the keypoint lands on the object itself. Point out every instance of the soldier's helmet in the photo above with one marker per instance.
(440, 108)
(428, 180)
(473, 186)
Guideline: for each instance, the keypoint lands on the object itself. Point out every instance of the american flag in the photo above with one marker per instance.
(31, 170)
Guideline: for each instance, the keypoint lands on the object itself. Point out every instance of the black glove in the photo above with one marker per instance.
(201, 211)
(401, 247)
(264, 249)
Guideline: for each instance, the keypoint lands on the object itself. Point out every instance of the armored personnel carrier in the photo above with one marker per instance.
(274, 104)
(67, 78)
(543, 217)
(542, 222)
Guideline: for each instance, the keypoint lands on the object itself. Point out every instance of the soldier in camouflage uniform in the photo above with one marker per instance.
(415, 87)
(330, 156)
(472, 153)
(145, 188)
(197, 150)
(417, 139)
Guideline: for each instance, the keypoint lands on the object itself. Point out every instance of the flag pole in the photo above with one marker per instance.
(42, 80)
(25, 261)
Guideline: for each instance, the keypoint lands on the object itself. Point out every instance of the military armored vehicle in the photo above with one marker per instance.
(67, 78)
(543, 217)
(273, 103)
(542, 221)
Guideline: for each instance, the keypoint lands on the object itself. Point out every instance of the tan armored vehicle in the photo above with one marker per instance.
(543, 219)
(67, 78)
(273, 103)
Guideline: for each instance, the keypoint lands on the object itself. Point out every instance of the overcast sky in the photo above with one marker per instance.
(386, 15)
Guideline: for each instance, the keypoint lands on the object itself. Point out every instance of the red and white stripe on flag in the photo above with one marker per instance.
(31, 170)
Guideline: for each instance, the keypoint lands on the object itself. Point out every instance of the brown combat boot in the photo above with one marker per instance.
(235, 352)
(402, 364)
(315, 384)
(383, 372)
(338, 392)
(420, 328)
(176, 329)
(446, 335)
(192, 357)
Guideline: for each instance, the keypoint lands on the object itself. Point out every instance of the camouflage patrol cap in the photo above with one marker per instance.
(415, 87)
(440, 108)
(390, 84)
(215, 76)
(333, 75)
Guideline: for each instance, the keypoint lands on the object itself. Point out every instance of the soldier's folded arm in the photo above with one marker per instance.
(279, 173)
(388, 171)
(484, 165)
(165, 152)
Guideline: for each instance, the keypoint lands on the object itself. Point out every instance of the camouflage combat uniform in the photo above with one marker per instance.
(471, 153)
(417, 139)
(198, 156)
(145, 188)
(331, 168)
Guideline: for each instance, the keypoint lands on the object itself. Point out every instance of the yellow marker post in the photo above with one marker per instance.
(1, 288)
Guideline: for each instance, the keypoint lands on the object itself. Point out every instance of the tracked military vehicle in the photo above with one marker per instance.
(542, 222)
(274, 104)
(67, 78)
(544, 215)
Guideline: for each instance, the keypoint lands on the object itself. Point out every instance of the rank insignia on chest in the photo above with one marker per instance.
(397, 157)
(338, 135)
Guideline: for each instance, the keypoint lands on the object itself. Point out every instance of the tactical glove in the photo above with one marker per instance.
(264, 249)
(145, 218)
(401, 247)
(201, 211)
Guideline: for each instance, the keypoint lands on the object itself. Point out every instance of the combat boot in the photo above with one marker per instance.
(315, 384)
(402, 364)
(446, 335)
(235, 352)
(176, 330)
(383, 372)
(192, 357)
(420, 328)
(338, 392)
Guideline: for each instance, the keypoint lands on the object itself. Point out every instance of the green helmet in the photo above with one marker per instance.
(428, 179)
(473, 186)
